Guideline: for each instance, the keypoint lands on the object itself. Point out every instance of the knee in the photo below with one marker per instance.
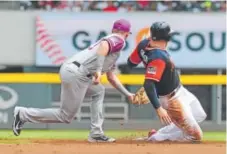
(66, 117)
(202, 117)
(100, 92)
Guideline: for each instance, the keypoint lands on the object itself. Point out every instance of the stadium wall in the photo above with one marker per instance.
(205, 42)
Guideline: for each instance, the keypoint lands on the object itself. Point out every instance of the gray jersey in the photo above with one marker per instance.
(90, 59)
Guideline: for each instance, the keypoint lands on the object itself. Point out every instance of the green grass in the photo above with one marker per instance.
(82, 134)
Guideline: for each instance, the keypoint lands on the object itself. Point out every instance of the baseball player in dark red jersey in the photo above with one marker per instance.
(176, 107)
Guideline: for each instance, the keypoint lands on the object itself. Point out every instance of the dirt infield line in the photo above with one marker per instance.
(48, 146)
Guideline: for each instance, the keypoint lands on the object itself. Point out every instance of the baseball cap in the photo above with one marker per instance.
(122, 25)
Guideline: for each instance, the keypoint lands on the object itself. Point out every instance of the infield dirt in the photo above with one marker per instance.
(120, 147)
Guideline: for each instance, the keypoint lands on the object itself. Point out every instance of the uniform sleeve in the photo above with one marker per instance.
(134, 58)
(155, 69)
(149, 87)
(116, 43)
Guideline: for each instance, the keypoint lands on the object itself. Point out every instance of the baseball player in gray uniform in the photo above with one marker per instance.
(80, 75)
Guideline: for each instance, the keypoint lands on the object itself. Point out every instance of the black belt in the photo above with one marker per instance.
(174, 92)
(78, 65)
(170, 95)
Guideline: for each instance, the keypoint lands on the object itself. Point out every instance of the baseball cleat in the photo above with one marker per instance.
(102, 138)
(17, 123)
(152, 132)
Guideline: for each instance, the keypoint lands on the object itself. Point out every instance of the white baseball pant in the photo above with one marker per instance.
(74, 86)
(186, 112)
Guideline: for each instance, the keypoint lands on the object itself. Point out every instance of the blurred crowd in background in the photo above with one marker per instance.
(118, 6)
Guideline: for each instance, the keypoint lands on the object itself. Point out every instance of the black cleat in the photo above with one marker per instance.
(17, 123)
(102, 138)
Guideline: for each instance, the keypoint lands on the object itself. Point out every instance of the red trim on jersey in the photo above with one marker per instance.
(151, 78)
(134, 57)
(155, 70)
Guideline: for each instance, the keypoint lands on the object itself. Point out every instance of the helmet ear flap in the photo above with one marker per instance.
(168, 37)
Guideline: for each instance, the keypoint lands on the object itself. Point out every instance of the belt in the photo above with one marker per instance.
(170, 95)
(78, 65)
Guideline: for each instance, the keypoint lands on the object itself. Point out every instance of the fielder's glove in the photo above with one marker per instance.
(140, 97)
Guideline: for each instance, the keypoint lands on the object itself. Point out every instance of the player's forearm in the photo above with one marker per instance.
(116, 83)
(149, 87)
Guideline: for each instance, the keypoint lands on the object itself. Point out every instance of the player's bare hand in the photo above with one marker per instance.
(163, 116)
(97, 78)
(131, 97)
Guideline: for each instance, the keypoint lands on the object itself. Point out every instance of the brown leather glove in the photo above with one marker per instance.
(140, 97)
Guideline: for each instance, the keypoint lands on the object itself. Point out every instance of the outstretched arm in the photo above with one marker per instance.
(116, 83)
(149, 87)
(154, 73)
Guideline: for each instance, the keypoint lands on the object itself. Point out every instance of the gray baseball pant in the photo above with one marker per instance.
(74, 86)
